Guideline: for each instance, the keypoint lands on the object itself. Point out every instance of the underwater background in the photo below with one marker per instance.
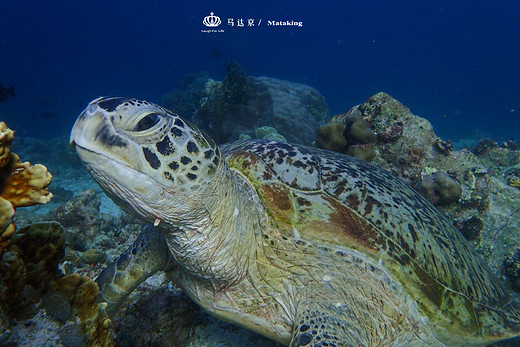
(428, 90)
(452, 62)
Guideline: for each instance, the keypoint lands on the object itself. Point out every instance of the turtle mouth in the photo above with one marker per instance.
(130, 189)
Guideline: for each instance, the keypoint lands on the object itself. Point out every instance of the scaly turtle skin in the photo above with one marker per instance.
(306, 247)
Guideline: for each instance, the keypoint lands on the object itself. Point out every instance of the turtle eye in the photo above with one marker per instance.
(147, 122)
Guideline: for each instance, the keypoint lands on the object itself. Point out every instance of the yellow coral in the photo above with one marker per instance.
(82, 292)
(6, 137)
(514, 182)
(27, 185)
(6, 214)
(22, 184)
(7, 227)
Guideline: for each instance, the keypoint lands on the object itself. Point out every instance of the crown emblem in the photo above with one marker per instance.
(211, 20)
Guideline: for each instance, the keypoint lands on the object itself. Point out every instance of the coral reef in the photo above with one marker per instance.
(82, 218)
(30, 259)
(237, 86)
(512, 269)
(357, 130)
(483, 147)
(81, 292)
(30, 255)
(295, 110)
(157, 309)
(269, 133)
(21, 184)
(186, 100)
(470, 228)
(27, 185)
(359, 136)
(240, 104)
(444, 147)
(222, 100)
(30, 272)
(6, 139)
(57, 306)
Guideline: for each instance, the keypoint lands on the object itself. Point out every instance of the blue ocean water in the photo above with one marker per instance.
(452, 62)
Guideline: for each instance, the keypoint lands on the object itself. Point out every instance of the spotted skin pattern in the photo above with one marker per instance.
(179, 168)
(177, 149)
(304, 246)
(147, 254)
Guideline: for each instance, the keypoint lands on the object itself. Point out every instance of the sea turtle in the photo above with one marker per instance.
(304, 246)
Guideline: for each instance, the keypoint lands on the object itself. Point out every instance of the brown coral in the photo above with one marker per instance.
(358, 130)
(443, 147)
(30, 264)
(6, 222)
(30, 259)
(82, 292)
(331, 137)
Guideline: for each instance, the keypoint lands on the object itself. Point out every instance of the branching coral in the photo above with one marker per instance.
(514, 182)
(223, 98)
(237, 87)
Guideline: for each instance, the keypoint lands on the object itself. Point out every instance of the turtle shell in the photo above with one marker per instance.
(336, 199)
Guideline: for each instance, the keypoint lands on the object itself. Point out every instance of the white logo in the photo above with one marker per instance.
(211, 20)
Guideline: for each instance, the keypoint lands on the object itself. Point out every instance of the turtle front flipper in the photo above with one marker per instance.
(147, 255)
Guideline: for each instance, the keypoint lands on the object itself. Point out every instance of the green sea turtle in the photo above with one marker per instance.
(304, 246)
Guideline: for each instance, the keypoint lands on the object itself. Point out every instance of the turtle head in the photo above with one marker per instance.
(147, 159)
